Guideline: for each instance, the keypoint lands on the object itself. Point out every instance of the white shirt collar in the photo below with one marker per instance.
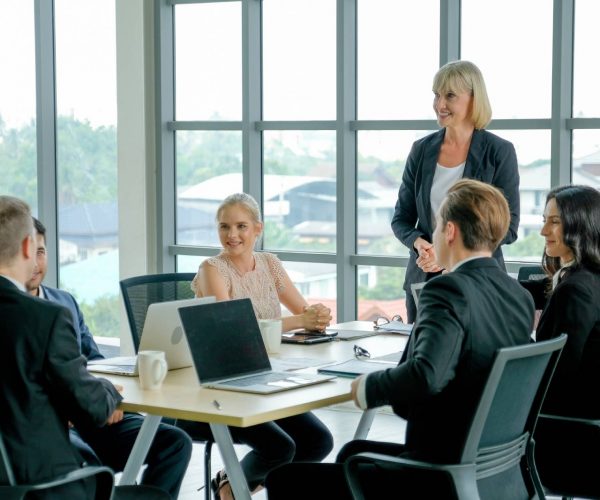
(458, 264)
(18, 284)
(558, 274)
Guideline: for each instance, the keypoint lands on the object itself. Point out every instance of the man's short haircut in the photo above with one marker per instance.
(15, 225)
(39, 227)
(480, 211)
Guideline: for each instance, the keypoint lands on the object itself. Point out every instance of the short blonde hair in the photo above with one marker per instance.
(464, 76)
(481, 212)
(247, 201)
(15, 225)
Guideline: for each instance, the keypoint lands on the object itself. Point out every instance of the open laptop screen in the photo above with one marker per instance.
(224, 339)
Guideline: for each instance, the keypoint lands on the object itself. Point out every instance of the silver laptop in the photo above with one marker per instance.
(162, 332)
(229, 352)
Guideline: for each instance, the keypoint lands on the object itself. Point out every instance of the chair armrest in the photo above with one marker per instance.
(104, 483)
(462, 474)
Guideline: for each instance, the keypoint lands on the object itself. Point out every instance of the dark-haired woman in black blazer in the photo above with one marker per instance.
(461, 149)
(568, 453)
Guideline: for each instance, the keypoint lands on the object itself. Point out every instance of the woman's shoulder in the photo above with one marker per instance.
(493, 139)
(429, 139)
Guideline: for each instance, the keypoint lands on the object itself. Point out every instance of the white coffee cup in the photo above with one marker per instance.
(152, 369)
(270, 329)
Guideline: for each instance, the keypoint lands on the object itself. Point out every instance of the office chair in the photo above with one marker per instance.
(104, 477)
(563, 457)
(138, 293)
(532, 273)
(499, 442)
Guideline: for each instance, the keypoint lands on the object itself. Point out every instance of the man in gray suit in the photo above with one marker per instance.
(44, 382)
(463, 318)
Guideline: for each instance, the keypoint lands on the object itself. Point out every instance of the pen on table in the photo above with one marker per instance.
(217, 404)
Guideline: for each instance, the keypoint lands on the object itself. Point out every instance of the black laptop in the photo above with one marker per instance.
(229, 352)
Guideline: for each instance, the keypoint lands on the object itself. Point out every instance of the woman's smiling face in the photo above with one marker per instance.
(552, 231)
(238, 231)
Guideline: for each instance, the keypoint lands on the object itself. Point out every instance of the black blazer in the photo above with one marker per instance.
(463, 318)
(574, 308)
(491, 159)
(44, 384)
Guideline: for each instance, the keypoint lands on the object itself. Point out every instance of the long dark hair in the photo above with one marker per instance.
(579, 210)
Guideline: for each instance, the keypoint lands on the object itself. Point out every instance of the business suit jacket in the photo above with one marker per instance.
(464, 317)
(491, 159)
(574, 308)
(44, 384)
(86, 341)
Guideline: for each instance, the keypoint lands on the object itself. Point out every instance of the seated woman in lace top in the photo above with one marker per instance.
(240, 272)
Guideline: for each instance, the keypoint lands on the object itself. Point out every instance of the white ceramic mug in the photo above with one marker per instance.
(152, 369)
(270, 329)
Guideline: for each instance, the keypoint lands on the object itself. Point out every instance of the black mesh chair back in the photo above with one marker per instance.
(497, 459)
(141, 291)
(138, 293)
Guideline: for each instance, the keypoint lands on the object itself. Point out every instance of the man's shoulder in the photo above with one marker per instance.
(58, 295)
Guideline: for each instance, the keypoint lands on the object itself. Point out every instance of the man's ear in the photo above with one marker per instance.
(27, 247)
(451, 232)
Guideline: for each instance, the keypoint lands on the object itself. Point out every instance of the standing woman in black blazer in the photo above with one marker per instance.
(461, 149)
(568, 453)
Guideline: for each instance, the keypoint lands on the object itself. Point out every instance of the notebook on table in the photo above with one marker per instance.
(355, 367)
(162, 332)
(229, 352)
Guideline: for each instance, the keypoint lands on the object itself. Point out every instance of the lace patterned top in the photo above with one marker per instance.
(261, 285)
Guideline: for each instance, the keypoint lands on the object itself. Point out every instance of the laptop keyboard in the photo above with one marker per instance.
(263, 378)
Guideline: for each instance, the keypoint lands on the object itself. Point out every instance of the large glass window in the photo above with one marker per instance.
(299, 59)
(585, 79)
(86, 159)
(315, 282)
(533, 155)
(209, 168)
(511, 42)
(381, 159)
(586, 157)
(300, 190)
(394, 79)
(18, 102)
(380, 292)
(208, 80)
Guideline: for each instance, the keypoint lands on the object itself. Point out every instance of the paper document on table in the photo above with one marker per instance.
(396, 327)
(289, 364)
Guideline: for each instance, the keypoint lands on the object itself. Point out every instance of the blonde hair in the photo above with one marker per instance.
(15, 225)
(464, 76)
(481, 212)
(247, 201)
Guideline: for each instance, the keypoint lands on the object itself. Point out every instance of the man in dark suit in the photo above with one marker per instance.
(43, 378)
(170, 453)
(464, 317)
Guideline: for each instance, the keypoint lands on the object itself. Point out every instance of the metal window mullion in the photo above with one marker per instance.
(252, 99)
(449, 31)
(346, 159)
(47, 188)
(165, 212)
(562, 92)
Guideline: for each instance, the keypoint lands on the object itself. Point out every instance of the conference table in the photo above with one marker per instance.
(182, 397)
